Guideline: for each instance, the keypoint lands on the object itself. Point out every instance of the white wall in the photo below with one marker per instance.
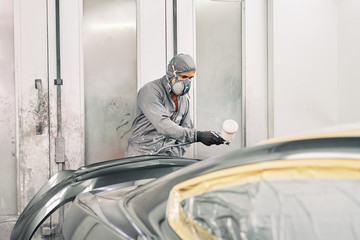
(186, 27)
(151, 39)
(348, 61)
(256, 70)
(301, 66)
(304, 65)
(314, 60)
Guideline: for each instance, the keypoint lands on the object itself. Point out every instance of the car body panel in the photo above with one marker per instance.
(66, 185)
(108, 201)
(97, 209)
(147, 217)
(140, 213)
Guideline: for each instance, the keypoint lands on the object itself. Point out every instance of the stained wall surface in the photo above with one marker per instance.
(218, 76)
(8, 195)
(109, 32)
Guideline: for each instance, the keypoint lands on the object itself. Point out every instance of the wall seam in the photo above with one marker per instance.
(270, 70)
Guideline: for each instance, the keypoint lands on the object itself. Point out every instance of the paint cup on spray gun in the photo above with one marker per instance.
(229, 128)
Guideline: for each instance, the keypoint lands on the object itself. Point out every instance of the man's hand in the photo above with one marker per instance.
(209, 138)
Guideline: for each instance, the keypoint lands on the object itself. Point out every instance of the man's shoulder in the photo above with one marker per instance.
(153, 88)
(155, 85)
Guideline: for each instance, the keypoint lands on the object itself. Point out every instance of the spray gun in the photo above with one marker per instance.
(229, 129)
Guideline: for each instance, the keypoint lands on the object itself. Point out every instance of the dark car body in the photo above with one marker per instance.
(297, 189)
(66, 185)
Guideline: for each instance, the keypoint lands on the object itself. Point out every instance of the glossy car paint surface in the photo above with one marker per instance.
(66, 185)
(141, 212)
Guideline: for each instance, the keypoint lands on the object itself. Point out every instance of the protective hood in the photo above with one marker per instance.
(182, 63)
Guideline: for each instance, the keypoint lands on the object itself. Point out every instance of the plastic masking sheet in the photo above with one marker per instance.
(296, 199)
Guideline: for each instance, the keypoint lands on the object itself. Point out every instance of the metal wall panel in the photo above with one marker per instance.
(218, 76)
(109, 31)
(8, 196)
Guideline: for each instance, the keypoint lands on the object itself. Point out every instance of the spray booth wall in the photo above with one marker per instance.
(109, 32)
(314, 78)
(114, 53)
(218, 76)
(8, 201)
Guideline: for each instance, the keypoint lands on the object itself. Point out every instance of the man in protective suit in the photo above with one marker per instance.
(162, 115)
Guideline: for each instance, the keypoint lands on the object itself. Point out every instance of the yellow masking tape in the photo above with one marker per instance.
(186, 228)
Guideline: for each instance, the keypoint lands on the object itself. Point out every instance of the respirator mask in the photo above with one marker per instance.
(180, 88)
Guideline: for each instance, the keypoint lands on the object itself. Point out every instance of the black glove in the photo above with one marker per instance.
(209, 138)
